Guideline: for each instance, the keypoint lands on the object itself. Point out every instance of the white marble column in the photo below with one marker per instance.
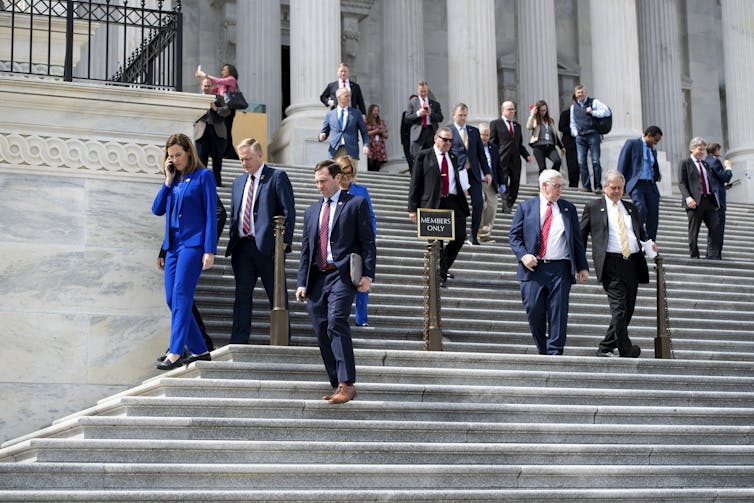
(615, 53)
(661, 94)
(472, 78)
(258, 57)
(537, 64)
(315, 54)
(738, 53)
(402, 49)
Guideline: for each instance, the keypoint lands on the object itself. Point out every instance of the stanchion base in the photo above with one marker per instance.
(279, 327)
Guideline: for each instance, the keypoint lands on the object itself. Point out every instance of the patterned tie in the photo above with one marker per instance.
(425, 118)
(323, 235)
(247, 210)
(545, 231)
(701, 174)
(444, 176)
(624, 248)
(510, 128)
(344, 83)
(464, 138)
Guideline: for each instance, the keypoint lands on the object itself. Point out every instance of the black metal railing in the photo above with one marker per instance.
(108, 41)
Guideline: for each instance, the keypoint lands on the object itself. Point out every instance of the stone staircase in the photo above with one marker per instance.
(485, 420)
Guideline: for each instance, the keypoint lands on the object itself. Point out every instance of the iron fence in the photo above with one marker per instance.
(115, 42)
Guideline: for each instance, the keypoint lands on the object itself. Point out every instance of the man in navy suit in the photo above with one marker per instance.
(506, 134)
(619, 264)
(329, 99)
(698, 192)
(490, 191)
(721, 175)
(436, 183)
(467, 146)
(638, 165)
(546, 240)
(345, 123)
(257, 197)
(334, 228)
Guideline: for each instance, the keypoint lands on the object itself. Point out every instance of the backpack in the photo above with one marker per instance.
(603, 125)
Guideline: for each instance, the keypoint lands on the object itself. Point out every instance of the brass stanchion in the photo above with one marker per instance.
(279, 313)
(432, 315)
(663, 340)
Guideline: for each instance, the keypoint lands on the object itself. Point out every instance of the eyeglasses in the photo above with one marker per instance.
(445, 140)
(347, 173)
(556, 186)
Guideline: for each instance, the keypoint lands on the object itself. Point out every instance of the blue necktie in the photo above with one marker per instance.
(342, 116)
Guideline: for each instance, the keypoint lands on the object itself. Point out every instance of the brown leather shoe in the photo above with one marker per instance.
(344, 394)
(330, 395)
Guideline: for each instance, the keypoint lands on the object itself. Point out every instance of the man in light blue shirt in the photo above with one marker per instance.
(587, 137)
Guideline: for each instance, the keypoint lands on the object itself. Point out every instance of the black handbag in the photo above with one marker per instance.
(235, 100)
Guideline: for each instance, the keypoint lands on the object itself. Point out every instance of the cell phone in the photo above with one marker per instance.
(171, 168)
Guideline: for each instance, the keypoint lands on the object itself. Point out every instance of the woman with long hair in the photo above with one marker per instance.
(226, 83)
(377, 129)
(188, 199)
(544, 136)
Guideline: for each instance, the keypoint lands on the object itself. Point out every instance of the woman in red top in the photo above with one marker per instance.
(226, 83)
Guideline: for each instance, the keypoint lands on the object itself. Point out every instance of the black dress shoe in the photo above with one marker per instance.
(168, 365)
(444, 283)
(474, 241)
(600, 352)
(451, 275)
(202, 357)
(634, 352)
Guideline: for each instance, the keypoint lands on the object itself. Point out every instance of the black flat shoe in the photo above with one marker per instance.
(161, 358)
(168, 365)
(202, 357)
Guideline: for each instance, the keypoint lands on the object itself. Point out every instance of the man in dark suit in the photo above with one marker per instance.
(406, 137)
(329, 99)
(345, 123)
(468, 149)
(638, 164)
(545, 238)
(569, 143)
(506, 134)
(210, 132)
(423, 115)
(436, 183)
(257, 197)
(490, 191)
(697, 189)
(721, 175)
(617, 236)
(334, 228)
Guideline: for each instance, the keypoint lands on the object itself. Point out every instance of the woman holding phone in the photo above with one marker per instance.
(188, 199)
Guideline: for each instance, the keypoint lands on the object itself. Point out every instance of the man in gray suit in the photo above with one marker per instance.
(210, 132)
(617, 233)
(423, 115)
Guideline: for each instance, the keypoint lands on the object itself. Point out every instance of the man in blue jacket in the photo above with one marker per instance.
(638, 165)
(344, 123)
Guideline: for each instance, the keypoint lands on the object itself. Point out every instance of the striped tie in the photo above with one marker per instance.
(545, 231)
(323, 235)
(624, 248)
(247, 209)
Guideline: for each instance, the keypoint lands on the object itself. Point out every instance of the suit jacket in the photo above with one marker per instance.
(690, 181)
(214, 118)
(197, 210)
(496, 170)
(357, 99)
(472, 158)
(425, 190)
(594, 220)
(351, 233)
(721, 176)
(526, 231)
(564, 126)
(511, 148)
(354, 126)
(410, 117)
(274, 197)
(631, 163)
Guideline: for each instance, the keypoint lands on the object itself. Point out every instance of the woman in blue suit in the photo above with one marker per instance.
(188, 200)
(348, 172)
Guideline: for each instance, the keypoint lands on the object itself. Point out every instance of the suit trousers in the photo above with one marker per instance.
(572, 160)
(490, 209)
(621, 282)
(211, 146)
(477, 206)
(183, 265)
(426, 139)
(249, 265)
(545, 297)
(706, 212)
(329, 307)
(721, 225)
(449, 252)
(542, 152)
(513, 172)
(589, 142)
(646, 198)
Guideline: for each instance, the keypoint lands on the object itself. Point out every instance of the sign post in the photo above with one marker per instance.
(434, 225)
